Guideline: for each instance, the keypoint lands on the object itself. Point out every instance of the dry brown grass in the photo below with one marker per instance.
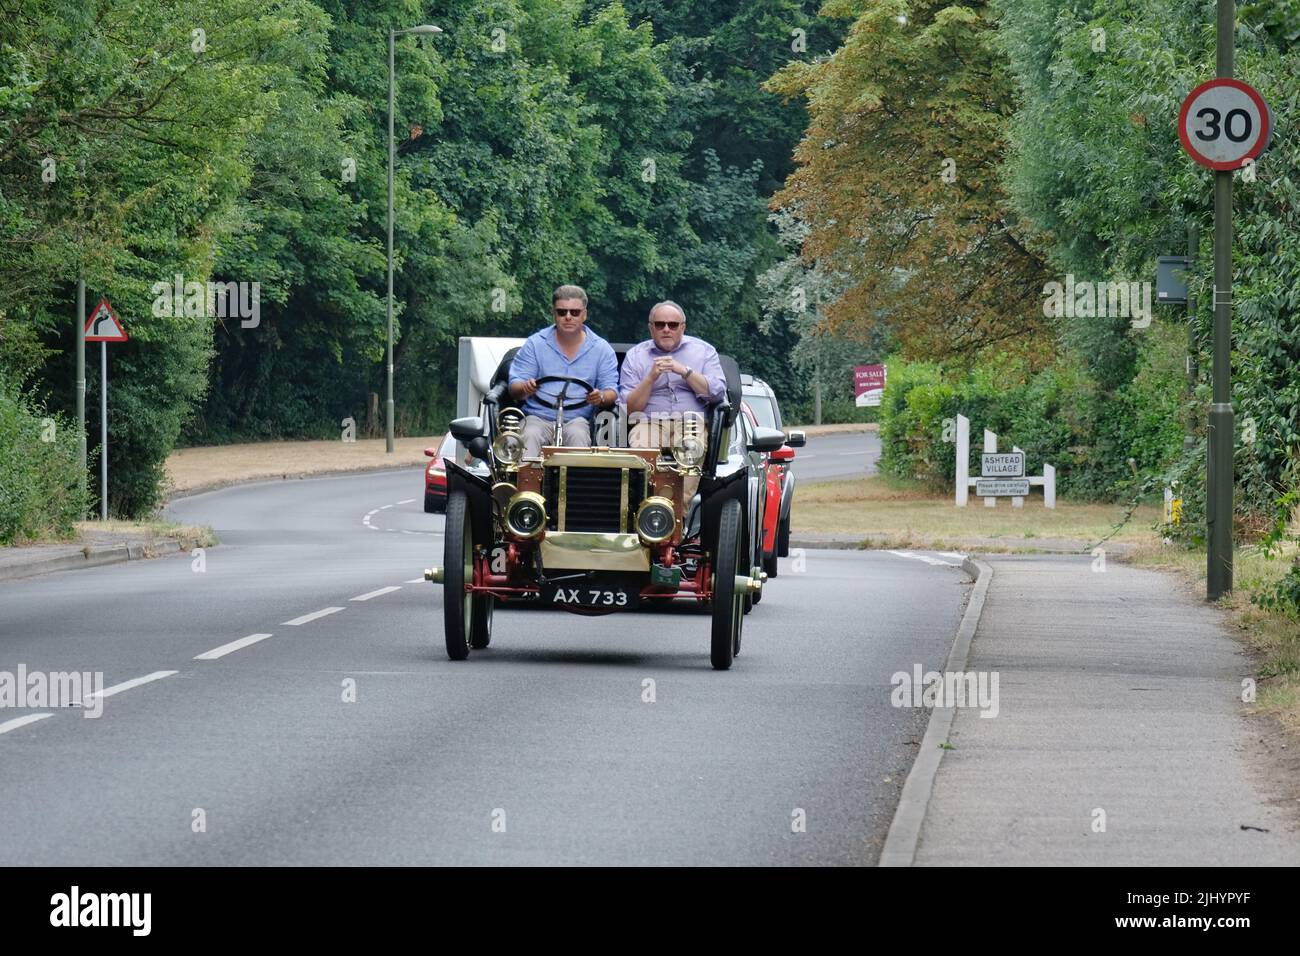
(194, 469)
(886, 509)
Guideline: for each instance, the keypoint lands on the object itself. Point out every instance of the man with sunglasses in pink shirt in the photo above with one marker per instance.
(671, 376)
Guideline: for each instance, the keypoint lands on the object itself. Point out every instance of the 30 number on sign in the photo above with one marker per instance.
(1223, 123)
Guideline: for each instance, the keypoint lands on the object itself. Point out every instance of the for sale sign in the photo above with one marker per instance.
(868, 385)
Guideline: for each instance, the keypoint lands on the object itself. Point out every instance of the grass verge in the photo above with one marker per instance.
(199, 469)
(903, 514)
(186, 535)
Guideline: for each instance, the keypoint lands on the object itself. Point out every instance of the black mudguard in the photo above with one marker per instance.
(479, 494)
(713, 493)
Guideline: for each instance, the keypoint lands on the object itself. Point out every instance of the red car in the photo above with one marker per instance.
(777, 463)
(435, 476)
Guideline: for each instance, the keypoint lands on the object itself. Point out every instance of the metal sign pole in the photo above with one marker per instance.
(1219, 467)
(103, 431)
(81, 377)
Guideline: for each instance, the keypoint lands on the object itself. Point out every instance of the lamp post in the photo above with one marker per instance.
(424, 30)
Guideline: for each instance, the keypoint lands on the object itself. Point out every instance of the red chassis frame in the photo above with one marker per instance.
(499, 585)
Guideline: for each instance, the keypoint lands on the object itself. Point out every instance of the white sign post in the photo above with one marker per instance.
(103, 326)
(1003, 474)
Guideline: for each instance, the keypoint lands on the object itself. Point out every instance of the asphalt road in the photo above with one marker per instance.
(541, 749)
(842, 455)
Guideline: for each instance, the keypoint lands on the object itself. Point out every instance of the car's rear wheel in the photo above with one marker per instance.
(783, 538)
(728, 562)
(467, 617)
(769, 564)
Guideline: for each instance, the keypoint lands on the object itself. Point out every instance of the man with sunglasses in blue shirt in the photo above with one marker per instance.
(570, 349)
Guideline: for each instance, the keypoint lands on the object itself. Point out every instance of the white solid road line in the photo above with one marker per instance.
(128, 684)
(308, 618)
(417, 581)
(408, 501)
(374, 594)
(230, 648)
(17, 722)
(863, 452)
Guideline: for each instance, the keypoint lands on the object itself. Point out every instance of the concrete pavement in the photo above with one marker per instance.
(1120, 737)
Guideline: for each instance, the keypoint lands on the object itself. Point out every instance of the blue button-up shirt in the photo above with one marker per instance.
(540, 355)
(670, 393)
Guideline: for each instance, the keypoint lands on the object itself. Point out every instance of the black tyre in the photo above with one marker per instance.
(467, 617)
(481, 635)
(783, 538)
(728, 602)
(770, 565)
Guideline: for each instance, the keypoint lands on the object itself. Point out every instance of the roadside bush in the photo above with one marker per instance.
(41, 489)
(1056, 415)
(836, 411)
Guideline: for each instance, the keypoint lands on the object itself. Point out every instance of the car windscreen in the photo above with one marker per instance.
(763, 410)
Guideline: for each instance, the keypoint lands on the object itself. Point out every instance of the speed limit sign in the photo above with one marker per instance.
(1223, 123)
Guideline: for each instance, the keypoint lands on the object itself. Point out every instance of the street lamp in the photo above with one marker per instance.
(425, 30)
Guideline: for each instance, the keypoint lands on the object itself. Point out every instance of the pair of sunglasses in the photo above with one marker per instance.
(573, 312)
(668, 325)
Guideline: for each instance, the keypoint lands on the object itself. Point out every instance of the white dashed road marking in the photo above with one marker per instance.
(17, 722)
(416, 581)
(408, 501)
(230, 648)
(308, 618)
(128, 684)
(374, 594)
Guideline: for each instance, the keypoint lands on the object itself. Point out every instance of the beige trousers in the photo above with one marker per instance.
(664, 431)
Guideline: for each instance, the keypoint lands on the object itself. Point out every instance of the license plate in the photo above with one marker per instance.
(559, 594)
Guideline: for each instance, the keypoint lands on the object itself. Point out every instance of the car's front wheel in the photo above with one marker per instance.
(467, 617)
(728, 600)
(783, 537)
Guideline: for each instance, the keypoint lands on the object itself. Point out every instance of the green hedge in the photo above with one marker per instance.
(41, 489)
(1055, 414)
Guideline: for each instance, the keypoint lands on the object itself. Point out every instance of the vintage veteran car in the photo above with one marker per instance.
(600, 529)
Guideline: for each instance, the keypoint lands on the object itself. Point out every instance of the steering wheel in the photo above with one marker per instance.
(587, 388)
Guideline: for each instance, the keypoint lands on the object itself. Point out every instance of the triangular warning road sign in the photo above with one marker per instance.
(103, 325)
